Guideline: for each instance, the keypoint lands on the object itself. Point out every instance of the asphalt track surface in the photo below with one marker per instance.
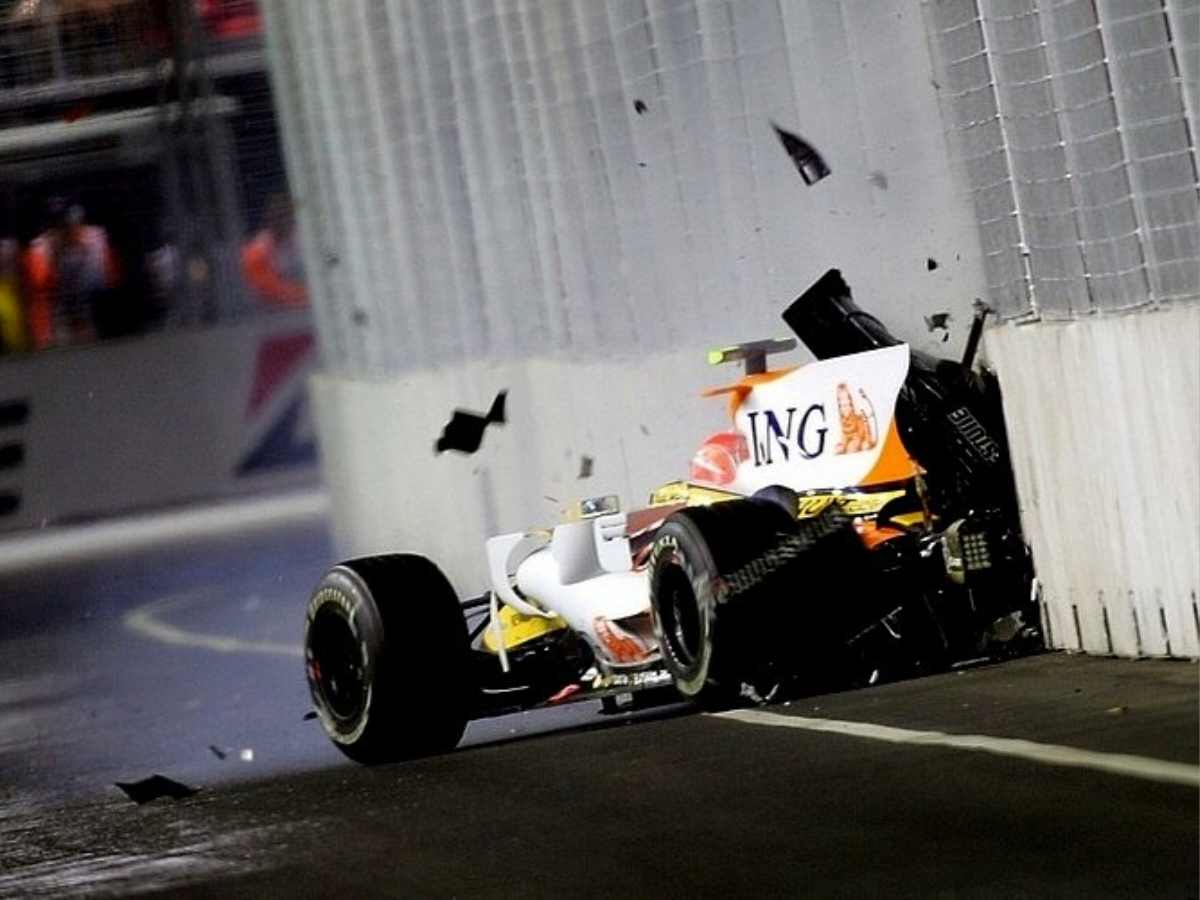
(144, 662)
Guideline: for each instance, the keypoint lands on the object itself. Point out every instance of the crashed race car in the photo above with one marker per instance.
(858, 522)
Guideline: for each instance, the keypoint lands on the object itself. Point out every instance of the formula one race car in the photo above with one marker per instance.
(859, 521)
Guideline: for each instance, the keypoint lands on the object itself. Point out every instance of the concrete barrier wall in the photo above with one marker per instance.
(574, 200)
(1104, 421)
(155, 420)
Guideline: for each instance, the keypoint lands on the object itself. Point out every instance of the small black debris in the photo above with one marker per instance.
(464, 431)
(645, 430)
(939, 321)
(931, 264)
(217, 751)
(809, 164)
(641, 165)
(310, 715)
(639, 107)
(879, 179)
(154, 787)
(585, 466)
(359, 317)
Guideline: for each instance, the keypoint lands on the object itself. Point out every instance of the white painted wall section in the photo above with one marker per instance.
(1104, 422)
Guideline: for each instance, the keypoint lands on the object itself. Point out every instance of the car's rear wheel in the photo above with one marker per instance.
(744, 597)
(711, 631)
(387, 659)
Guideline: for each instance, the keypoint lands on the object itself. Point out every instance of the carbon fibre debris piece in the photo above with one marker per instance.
(939, 321)
(154, 787)
(464, 431)
(809, 163)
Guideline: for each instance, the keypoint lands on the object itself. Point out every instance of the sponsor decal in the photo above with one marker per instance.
(277, 408)
(644, 679)
(284, 445)
(859, 428)
(621, 645)
(13, 414)
(808, 439)
(972, 431)
(787, 548)
(827, 423)
(277, 361)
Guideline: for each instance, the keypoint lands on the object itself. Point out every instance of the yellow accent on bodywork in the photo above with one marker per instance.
(518, 628)
(674, 492)
(852, 503)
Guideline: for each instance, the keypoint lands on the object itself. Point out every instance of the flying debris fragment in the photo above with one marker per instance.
(808, 161)
(586, 464)
(217, 751)
(154, 787)
(464, 431)
(939, 321)
(639, 107)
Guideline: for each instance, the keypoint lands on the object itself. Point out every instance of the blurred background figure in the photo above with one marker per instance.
(13, 336)
(163, 275)
(271, 262)
(70, 270)
(229, 18)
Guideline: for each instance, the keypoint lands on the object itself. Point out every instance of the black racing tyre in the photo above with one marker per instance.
(711, 641)
(388, 659)
(743, 594)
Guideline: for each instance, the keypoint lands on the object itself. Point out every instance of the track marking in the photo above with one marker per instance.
(144, 620)
(1048, 754)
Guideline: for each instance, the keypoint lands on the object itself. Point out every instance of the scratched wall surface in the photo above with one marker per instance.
(486, 204)
(1102, 415)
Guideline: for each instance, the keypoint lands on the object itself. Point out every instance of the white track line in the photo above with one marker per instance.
(144, 621)
(1048, 754)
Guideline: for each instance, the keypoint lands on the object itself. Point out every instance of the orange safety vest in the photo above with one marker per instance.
(258, 268)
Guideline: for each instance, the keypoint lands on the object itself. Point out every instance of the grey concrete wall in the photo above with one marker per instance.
(484, 207)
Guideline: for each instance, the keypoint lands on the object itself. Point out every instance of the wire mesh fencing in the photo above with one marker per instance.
(1071, 122)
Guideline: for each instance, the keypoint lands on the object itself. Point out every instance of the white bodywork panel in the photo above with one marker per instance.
(794, 426)
(583, 573)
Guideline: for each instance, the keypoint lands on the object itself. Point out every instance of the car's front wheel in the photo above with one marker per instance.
(387, 659)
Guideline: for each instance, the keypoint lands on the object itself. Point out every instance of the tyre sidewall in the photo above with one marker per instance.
(344, 593)
(680, 545)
